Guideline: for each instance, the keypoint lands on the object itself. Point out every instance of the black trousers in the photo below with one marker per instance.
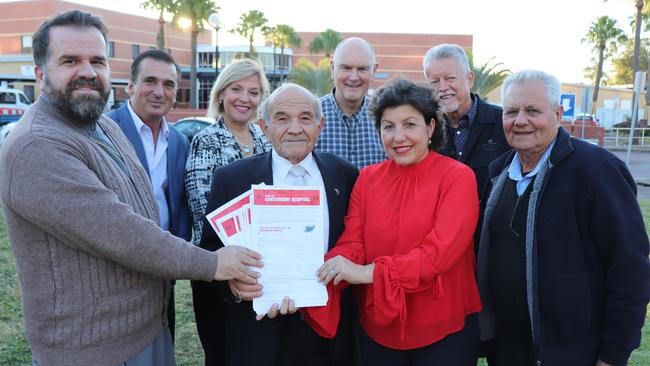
(456, 349)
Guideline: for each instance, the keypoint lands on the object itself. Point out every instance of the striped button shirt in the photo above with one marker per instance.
(354, 138)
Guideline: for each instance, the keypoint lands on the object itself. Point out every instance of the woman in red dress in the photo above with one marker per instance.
(408, 243)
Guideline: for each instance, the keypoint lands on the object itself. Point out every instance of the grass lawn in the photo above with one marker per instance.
(15, 351)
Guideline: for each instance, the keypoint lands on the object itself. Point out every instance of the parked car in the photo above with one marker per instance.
(190, 126)
(586, 119)
(4, 131)
(13, 104)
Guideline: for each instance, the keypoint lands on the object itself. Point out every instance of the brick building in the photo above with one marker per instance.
(128, 36)
(398, 55)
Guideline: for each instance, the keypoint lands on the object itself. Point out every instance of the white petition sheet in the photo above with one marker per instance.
(287, 227)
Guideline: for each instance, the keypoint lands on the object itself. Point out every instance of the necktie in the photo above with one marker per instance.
(298, 174)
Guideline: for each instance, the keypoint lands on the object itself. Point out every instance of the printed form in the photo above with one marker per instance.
(287, 229)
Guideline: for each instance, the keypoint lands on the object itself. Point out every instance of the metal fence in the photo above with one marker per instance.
(620, 137)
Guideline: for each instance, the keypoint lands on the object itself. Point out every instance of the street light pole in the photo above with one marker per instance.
(216, 24)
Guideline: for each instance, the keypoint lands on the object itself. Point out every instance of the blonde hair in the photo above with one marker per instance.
(235, 71)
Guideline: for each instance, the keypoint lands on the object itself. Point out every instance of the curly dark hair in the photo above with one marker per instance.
(399, 92)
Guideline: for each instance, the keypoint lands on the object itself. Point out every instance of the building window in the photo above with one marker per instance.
(205, 85)
(26, 44)
(206, 59)
(135, 50)
(111, 49)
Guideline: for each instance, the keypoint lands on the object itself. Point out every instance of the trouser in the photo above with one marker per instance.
(456, 349)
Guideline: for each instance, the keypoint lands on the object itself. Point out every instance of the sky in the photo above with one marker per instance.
(522, 34)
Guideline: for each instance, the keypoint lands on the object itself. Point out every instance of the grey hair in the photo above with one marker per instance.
(373, 59)
(552, 84)
(445, 50)
(266, 114)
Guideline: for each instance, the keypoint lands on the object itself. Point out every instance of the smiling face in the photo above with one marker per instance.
(405, 135)
(452, 84)
(76, 77)
(154, 92)
(293, 128)
(240, 100)
(352, 72)
(530, 122)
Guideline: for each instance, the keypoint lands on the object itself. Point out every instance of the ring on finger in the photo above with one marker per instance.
(333, 271)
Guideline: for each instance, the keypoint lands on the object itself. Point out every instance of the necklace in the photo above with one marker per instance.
(245, 148)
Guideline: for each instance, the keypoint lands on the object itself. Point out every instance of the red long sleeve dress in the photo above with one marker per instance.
(416, 223)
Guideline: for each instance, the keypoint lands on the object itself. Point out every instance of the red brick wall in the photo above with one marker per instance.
(398, 55)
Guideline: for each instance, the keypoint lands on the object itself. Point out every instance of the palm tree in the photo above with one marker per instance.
(198, 12)
(162, 7)
(272, 36)
(287, 36)
(248, 24)
(487, 76)
(314, 78)
(605, 36)
(325, 42)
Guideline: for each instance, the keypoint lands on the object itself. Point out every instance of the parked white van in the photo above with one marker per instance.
(13, 104)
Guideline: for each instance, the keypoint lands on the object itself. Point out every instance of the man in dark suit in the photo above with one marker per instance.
(292, 120)
(474, 129)
(161, 149)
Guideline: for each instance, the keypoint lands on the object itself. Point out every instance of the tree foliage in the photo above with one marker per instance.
(605, 37)
(248, 24)
(623, 63)
(325, 42)
(198, 12)
(315, 78)
(162, 7)
(487, 76)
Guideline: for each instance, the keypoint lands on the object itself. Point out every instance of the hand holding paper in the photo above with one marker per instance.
(234, 263)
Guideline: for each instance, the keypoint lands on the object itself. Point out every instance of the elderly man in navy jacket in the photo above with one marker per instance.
(563, 264)
(161, 149)
(292, 120)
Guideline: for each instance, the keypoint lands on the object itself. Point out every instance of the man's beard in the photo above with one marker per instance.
(84, 108)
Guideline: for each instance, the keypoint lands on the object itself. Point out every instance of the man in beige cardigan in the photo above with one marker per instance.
(94, 267)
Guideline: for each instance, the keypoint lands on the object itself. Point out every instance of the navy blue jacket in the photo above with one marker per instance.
(238, 319)
(178, 148)
(485, 143)
(587, 267)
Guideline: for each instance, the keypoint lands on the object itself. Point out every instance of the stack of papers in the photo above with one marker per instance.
(285, 225)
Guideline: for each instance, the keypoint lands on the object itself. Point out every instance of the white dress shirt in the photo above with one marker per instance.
(281, 177)
(156, 162)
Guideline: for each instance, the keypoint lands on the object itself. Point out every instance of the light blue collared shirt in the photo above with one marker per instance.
(514, 171)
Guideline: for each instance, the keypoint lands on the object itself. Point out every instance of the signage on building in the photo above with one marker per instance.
(568, 102)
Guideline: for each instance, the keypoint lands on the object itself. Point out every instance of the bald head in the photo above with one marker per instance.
(354, 45)
(289, 92)
(292, 121)
(353, 68)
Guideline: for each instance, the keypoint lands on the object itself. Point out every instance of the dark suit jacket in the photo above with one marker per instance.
(485, 143)
(245, 340)
(178, 149)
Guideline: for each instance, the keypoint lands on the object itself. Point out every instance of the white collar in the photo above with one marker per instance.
(137, 121)
(282, 165)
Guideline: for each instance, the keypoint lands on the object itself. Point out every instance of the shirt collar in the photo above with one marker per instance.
(468, 119)
(362, 108)
(139, 124)
(514, 171)
(281, 165)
